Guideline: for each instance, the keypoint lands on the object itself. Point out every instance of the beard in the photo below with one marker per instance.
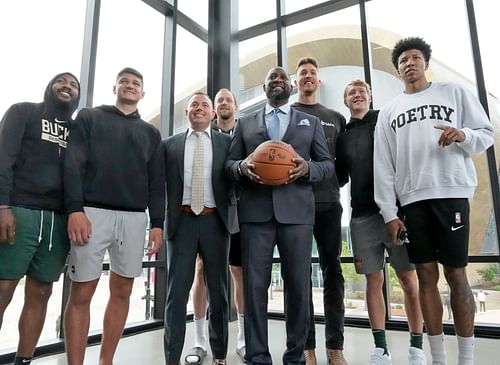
(65, 105)
(283, 94)
(225, 115)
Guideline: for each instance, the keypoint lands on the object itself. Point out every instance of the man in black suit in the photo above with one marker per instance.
(282, 215)
(198, 225)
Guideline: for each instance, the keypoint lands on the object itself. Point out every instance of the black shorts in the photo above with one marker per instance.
(438, 230)
(235, 250)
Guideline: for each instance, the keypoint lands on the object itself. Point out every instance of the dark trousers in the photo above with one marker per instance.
(294, 245)
(328, 235)
(208, 236)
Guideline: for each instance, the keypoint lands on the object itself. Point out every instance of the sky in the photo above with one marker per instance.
(41, 38)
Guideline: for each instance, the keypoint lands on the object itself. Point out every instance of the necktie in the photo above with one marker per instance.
(274, 126)
(197, 176)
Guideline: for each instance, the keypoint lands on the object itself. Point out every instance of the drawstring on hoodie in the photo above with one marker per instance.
(51, 229)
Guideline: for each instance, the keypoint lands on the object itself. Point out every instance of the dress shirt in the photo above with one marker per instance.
(283, 115)
(208, 191)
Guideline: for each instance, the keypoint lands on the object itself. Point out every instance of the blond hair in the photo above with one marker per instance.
(358, 83)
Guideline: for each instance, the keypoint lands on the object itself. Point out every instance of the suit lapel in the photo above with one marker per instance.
(292, 125)
(260, 124)
(180, 146)
(216, 154)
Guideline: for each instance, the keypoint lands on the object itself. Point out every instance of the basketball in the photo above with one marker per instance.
(273, 161)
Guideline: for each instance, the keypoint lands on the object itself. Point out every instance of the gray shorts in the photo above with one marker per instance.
(369, 243)
(121, 233)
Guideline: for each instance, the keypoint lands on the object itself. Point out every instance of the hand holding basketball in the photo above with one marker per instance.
(301, 169)
(273, 162)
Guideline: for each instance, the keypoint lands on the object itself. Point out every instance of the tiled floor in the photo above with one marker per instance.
(147, 348)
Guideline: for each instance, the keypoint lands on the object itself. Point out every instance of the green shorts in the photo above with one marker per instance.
(40, 249)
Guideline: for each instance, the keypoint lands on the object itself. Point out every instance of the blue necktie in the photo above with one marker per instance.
(274, 126)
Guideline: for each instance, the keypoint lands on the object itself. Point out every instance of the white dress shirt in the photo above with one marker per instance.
(208, 191)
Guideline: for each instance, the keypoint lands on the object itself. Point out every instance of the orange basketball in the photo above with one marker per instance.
(273, 161)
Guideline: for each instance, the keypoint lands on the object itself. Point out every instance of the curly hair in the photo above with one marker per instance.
(411, 43)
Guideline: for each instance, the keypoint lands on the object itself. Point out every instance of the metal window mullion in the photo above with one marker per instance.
(483, 98)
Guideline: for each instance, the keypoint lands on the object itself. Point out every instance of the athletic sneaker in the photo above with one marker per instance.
(416, 356)
(379, 358)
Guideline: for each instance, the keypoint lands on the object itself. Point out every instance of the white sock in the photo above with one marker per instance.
(200, 336)
(436, 345)
(465, 350)
(241, 331)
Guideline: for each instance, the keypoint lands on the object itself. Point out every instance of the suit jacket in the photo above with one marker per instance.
(225, 199)
(291, 203)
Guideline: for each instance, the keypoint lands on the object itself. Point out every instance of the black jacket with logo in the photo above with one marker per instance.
(33, 138)
(327, 190)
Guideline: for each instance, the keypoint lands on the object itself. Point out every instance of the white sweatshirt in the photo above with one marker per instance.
(409, 165)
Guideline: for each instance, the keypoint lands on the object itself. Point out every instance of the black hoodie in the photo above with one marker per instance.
(114, 162)
(33, 137)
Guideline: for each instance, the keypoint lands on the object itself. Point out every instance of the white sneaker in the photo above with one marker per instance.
(416, 356)
(379, 358)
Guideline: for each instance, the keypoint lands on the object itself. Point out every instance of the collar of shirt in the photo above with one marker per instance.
(285, 109)
(206, 131)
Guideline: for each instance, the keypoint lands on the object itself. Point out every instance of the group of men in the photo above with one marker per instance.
(411, 175)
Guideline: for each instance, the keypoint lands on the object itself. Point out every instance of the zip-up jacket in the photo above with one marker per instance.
(355, 160)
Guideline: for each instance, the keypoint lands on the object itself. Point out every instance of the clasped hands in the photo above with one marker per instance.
(301, 169)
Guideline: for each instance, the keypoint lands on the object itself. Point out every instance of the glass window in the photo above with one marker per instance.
(141, 300)
(35, 48)
(447, 64)
(10, 334)
(249, 16)
(396, 304)
(485, 278)
(292, 6)
(355, 289)
(257, 56)
(196, 10)
(129, 43)
(275, 292)
(335, 41)
(487, 25)
(191, 65)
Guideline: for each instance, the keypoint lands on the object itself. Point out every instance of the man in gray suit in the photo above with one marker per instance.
(281, 215)
(198, 227)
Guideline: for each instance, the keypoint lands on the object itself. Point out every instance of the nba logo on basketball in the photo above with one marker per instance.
(272, 153)
(458, 217)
